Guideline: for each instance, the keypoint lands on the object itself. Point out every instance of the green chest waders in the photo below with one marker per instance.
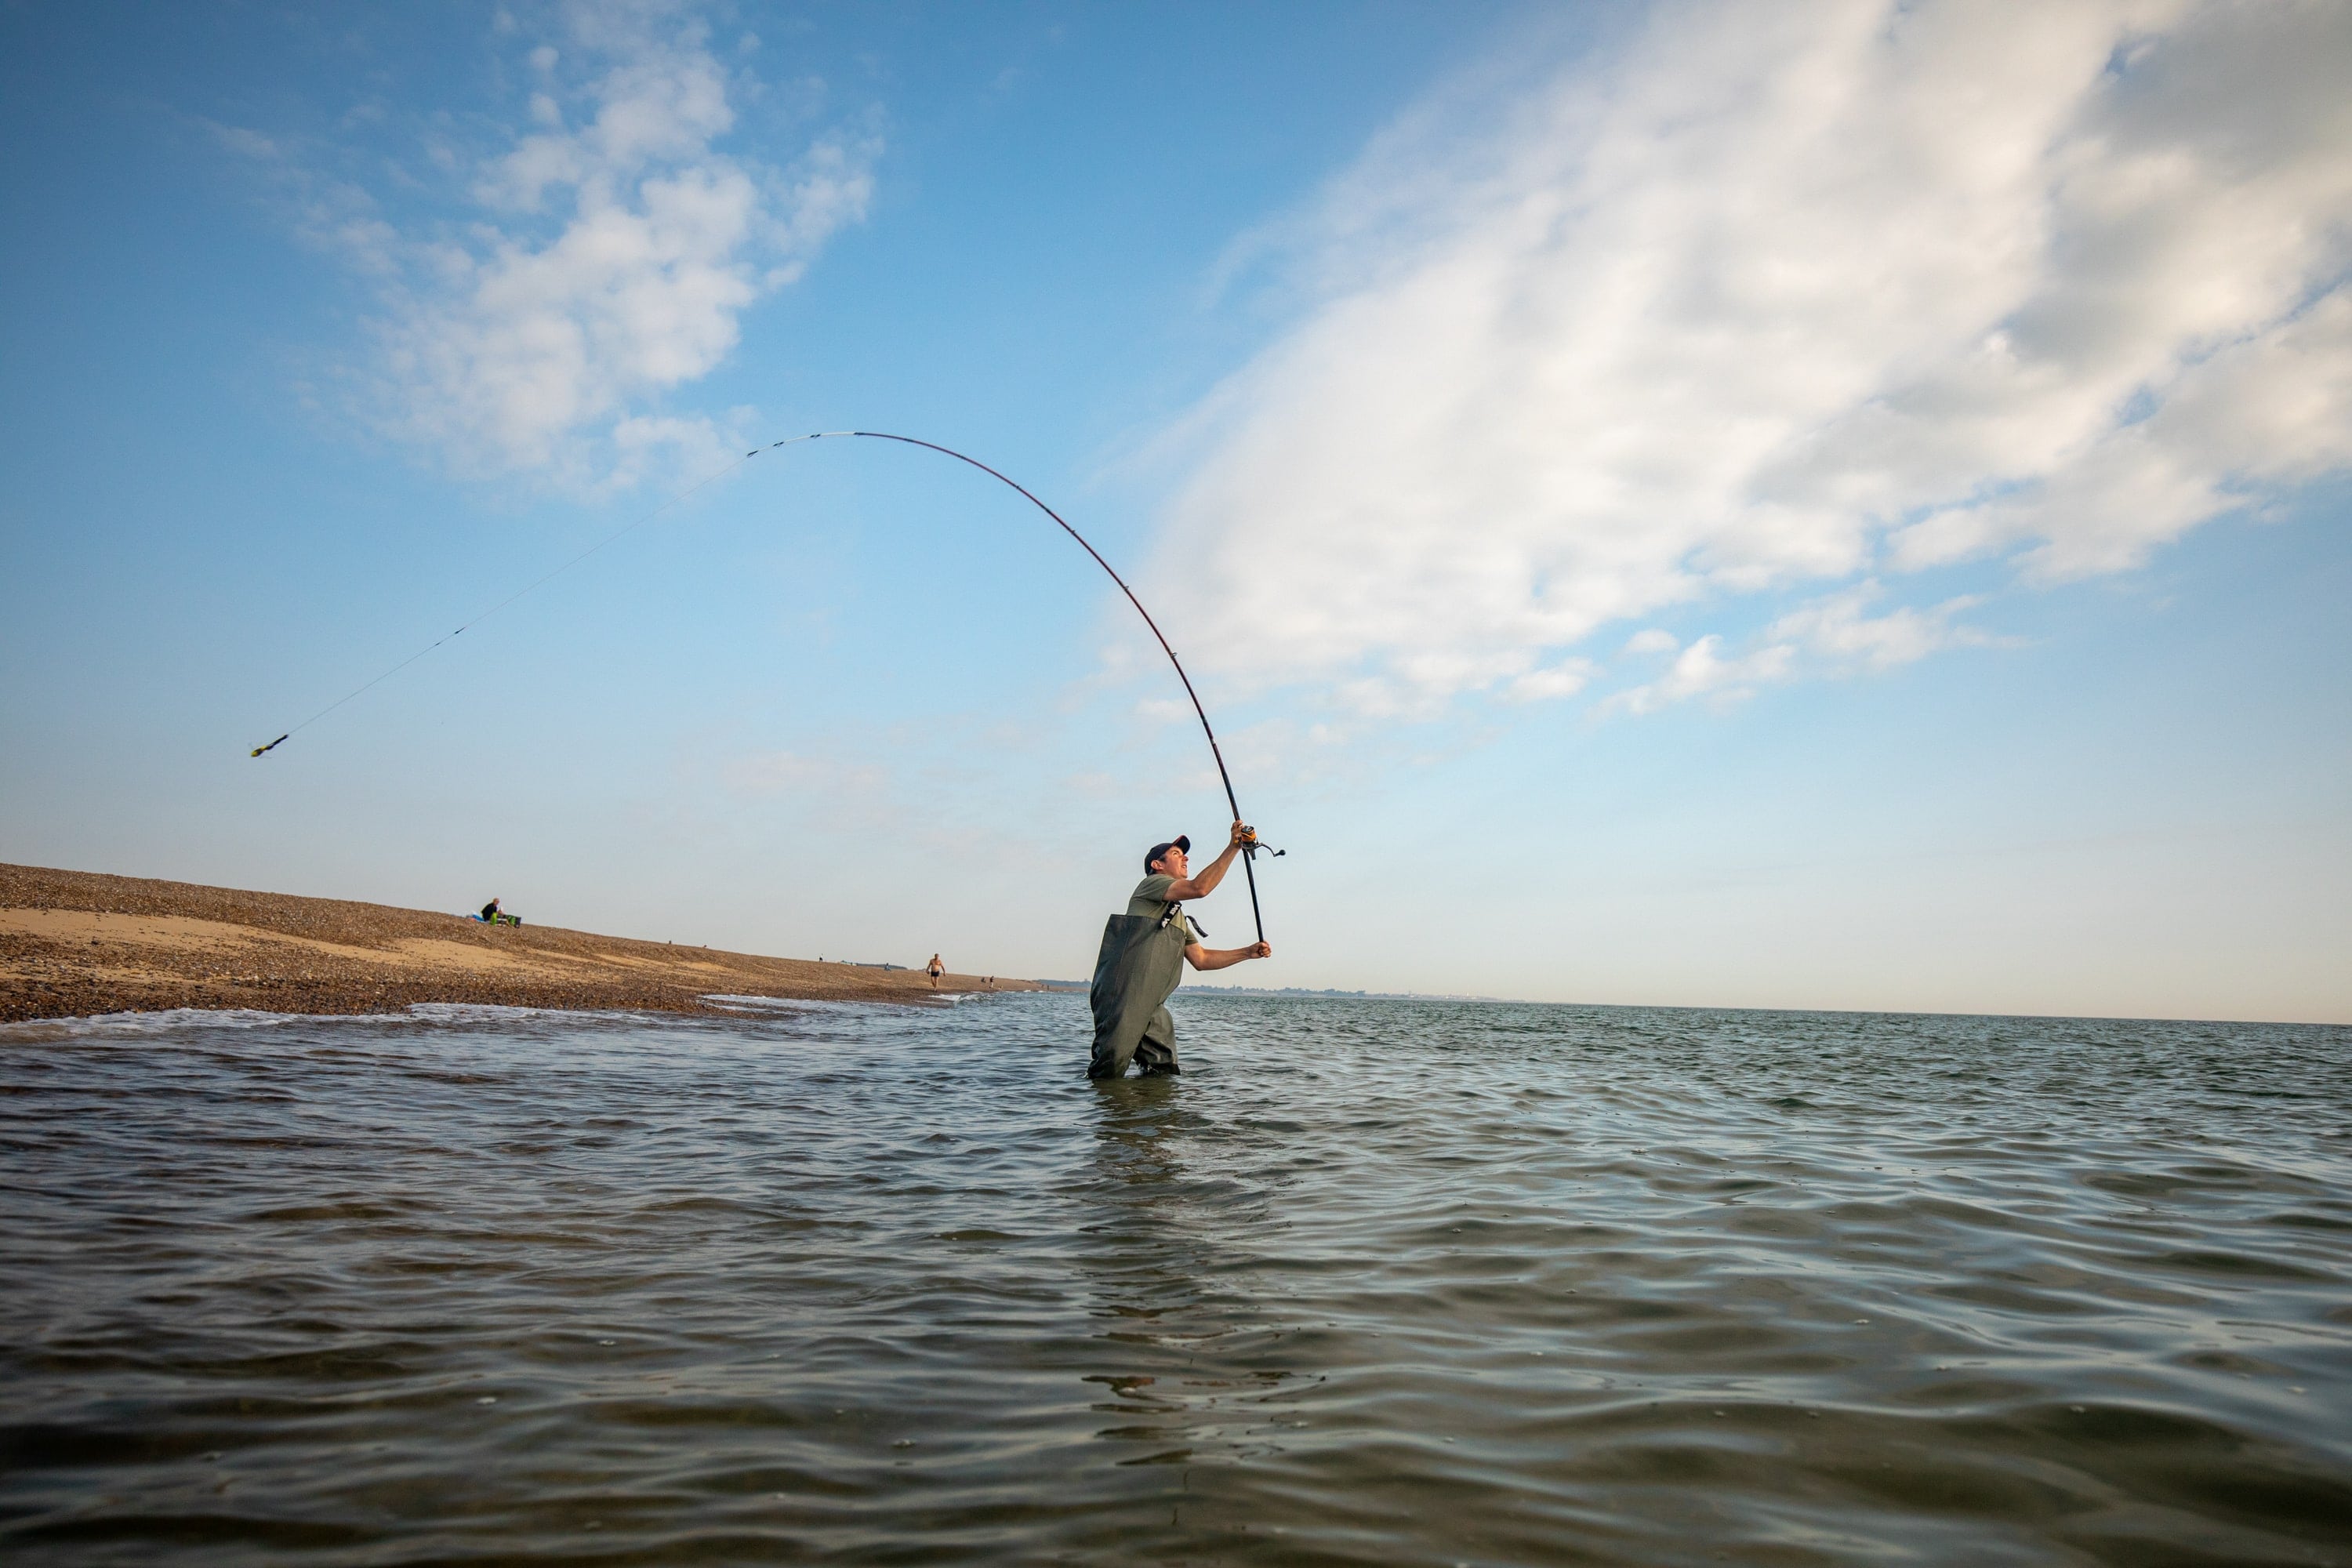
(1143, 958)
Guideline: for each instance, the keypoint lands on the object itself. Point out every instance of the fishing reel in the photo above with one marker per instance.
(1250, 845)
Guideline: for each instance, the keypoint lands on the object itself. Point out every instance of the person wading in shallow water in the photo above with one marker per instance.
(1139, 964)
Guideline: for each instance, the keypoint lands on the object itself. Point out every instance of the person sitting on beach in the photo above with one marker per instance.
(1138, 969)
(934, 969)
(492, 915)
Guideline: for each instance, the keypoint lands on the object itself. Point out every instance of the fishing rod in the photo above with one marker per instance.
(1250, 844)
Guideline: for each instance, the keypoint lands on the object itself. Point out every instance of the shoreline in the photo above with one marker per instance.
(77, 944)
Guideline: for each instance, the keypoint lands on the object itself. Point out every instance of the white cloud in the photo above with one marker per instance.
(1776, 296)
(789, 773)
(603, 256)
(1566, 678)
(1834, 632)
(1702, 670)
(1840, 629)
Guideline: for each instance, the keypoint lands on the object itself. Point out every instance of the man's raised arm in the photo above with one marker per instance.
(1203, 882)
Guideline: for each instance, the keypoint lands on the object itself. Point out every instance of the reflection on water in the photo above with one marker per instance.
(1373, 1282)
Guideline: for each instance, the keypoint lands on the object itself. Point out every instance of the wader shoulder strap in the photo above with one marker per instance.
(1168, 911)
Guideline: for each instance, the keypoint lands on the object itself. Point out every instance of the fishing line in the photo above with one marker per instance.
(1250, 845)
(714, 475)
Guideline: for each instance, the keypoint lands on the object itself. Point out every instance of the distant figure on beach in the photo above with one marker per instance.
(934, 969)
(492, 915)
(1138, 969)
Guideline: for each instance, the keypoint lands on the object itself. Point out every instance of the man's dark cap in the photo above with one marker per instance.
(1179, 842)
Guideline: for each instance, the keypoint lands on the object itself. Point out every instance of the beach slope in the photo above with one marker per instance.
(77, 943)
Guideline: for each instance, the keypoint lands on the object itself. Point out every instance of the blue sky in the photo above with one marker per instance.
(1825, 506)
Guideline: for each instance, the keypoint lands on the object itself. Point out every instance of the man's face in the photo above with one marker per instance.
(1172, 864)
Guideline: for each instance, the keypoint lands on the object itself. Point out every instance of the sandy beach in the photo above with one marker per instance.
(74, 943)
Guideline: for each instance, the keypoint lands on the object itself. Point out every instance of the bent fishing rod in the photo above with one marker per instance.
(1250, 845)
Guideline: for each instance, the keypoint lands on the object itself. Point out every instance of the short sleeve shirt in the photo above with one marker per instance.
(1150, 897)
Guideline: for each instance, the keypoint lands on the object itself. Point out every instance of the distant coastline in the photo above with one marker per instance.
(75, 943)
(1346, 995)
(1208, 988)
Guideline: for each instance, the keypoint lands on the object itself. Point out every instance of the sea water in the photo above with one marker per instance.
(1373, 1282)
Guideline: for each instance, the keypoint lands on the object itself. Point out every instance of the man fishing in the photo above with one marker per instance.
(1138, 967)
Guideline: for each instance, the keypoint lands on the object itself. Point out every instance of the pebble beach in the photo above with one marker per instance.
(77, 943)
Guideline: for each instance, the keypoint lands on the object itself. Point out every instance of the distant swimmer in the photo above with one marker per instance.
(1138, 969)
(934, 969)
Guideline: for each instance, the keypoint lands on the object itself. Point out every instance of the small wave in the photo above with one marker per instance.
(169, 1021)
(786, 1005)
(496, 1013)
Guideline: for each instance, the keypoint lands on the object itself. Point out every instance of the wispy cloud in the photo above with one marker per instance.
(1841, 632)
(1703, 669)
(598, 253)
(794, 774)
(1778, 296)
(1835, 633)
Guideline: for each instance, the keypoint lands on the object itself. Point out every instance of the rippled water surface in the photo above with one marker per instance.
(1374, 1283)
